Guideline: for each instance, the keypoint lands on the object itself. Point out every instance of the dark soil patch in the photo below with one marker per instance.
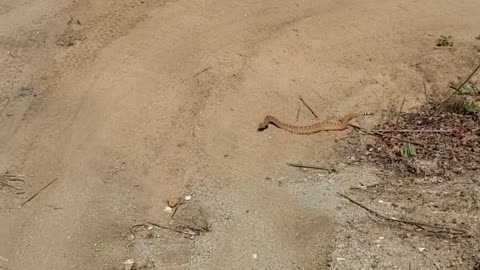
(446, 144)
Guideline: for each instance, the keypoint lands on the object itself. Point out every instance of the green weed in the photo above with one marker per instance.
(408, 150)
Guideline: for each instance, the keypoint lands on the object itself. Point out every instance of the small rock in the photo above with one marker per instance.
(188, 198)
(341, 259)
(255, 255)
(172, 202)
(421, 249)
(168, 209)
(129, 264)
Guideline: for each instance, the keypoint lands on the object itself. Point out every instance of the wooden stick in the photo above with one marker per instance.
(373, 133)
(201, 71)
(54, 207)
(308, 107)
(413, 223)
(170, 229)
(298, 113)
(399, 112)
(12, 175)
(310, 167)
(8, 185)
(180, 202)
(362, 186)
(415, 130)
(460, 87)
(35, 195)
(7, 99)
(252, 69)
(15, 179)
(133, 231)
(425, 91)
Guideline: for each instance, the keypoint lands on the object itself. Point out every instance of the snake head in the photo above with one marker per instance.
(262, 126)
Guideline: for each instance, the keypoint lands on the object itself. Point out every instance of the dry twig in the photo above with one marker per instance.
(54, 207)
(420, 225)
(13, 179)
(201, 71)
(35, 195)
(308, 107)
(9, 175)
(170, 229)
(378, 134)
(460, 87)
(362, 186)
(425, 91)
(399, 112)
(8, 185)
(180, 202)
(415, 130)
(161, 227)
(298, 113)
(5, 101)
(310, 167)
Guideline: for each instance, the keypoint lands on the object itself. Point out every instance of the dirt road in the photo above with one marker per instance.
(130, 103)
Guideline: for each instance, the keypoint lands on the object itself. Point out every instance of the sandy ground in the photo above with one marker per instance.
(130, 103)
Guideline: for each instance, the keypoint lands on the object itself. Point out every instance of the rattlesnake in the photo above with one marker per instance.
(310, 129)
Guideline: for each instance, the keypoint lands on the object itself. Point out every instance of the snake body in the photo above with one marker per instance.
(309, 129)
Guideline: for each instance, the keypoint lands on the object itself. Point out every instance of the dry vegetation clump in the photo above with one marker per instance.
(440, 139)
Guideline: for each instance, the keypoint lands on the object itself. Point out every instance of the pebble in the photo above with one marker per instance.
(172, 202)
(129, 264)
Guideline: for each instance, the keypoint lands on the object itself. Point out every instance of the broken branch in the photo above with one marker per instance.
(399, 113)
(378, 134)
(308, 107)
(201, 71)
(8, 185)
(415, 130)
(419, 225)
(170, 229)
(35, 195)
(4, 104)
(132, 229)
(310, 167)
(461, 85)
